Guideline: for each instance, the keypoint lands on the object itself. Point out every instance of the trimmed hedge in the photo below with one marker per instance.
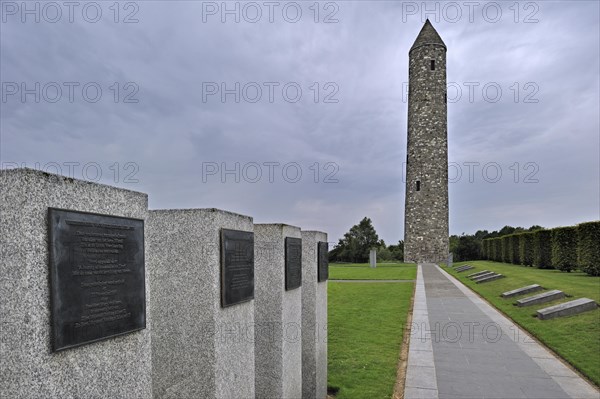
(491, 248)
(498, 249)
(486, 249)
(589, 247)
(506, 249)
(483, 251)
(515, 259)
(564, 248)
(542, 249)
(526, 248)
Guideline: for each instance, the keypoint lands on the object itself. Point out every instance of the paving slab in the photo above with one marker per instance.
(478, 352)
(487, 279)
(567, 309)
(544, 297)
(523, 290)
(421, 381)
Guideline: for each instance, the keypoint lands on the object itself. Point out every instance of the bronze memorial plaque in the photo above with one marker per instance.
(237, 267)
(323, 262)
(96, 276)
(293, 263)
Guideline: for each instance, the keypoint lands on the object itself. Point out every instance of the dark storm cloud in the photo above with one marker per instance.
(350, 136)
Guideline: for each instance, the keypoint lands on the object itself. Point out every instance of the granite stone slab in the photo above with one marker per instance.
(477, 273)
(112, 368)
(314, 319)
(482, 275)
(487, 279)
(464, 268)
(544, 297)
(523, 290)
(200, 349)
(567, 309)
(278, 316)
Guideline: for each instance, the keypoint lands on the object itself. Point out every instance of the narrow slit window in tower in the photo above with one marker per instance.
(433, 65)
(418, 185)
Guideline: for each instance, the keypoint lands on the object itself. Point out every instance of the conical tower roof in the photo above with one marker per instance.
(428, 35)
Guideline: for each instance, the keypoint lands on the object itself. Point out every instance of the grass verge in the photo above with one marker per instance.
(365, 331)
(362, 271)
(574, 338)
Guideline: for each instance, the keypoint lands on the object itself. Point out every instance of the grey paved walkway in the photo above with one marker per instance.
(461, 347)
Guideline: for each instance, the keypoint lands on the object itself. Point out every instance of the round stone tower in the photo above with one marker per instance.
(426, 205)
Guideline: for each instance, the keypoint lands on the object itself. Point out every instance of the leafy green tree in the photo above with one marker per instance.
(535, 227)
(384, 253)
(356, 243)
(397, 251)
(506, 230)
(468, 248)
(453, 246)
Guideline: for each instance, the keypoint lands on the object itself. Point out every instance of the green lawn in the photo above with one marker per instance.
(362, 271)
(575, 338)
(365, 326)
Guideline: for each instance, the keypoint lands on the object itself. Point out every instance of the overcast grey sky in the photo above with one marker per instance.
(305, 105)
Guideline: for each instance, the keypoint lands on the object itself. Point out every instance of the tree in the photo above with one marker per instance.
(397, 251)
(357, 243)
(453, 246)
(468, 248)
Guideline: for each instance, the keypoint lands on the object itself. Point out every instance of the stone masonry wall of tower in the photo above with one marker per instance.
(426, 206)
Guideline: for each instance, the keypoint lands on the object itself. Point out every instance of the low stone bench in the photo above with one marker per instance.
(483, 275)
(472, 275)
(464, 269)
(567, 309)
(490, 278)
(522, 290)
(544, 297)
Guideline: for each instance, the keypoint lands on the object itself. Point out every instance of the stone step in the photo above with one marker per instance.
(522, 290)
(544, 297)
(483, 275)
(567, 309)
(477, 273)
(464, 269)
(490, 278)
